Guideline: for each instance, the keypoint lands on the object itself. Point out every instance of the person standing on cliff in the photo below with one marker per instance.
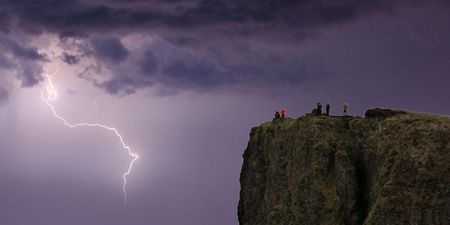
(327, 108)
(276, 116)
(345, 106)
(283, 112)
(319, 108)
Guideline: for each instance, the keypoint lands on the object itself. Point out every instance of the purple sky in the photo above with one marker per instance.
(184, 81)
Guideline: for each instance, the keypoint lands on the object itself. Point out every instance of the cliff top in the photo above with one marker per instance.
(373, 114)
(390, 167)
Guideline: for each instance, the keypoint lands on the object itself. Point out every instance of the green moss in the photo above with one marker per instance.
(383, 113)
(387, 168)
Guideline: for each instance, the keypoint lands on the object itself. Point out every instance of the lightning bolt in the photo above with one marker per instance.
(52, 95)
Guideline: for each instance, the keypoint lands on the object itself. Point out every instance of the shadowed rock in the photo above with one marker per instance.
(348, 171)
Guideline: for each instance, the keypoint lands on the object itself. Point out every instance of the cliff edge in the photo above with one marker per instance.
(390, 167)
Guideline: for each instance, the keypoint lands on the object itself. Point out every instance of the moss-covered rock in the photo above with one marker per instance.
(383, 113)
(391, 167)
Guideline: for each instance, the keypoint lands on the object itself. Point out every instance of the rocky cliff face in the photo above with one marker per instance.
(391, 167)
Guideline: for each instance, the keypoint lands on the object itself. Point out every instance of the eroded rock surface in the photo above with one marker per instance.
(391, 167)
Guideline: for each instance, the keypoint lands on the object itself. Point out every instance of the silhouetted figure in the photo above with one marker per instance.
(276, 116)
(319, 108)
(283, 112)
(345, 106)
(327, 108)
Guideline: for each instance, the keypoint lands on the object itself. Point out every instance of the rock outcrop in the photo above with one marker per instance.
(390, 167)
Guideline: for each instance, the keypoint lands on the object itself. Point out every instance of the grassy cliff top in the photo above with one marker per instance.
(389, 167)
(371, 114)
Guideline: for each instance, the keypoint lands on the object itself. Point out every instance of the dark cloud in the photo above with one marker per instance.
(29, 75)
(183, 74)
(189, 71)
(5, 22)
(183, 41)
(122, 85)
(20, 51)
(148, 65)
(4, 62)
(109, 49)
(206, 38)
(79, 17)
(70, 59)
(71, 34)
(23, 61)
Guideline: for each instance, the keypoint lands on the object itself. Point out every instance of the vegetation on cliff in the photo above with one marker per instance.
(390, 167)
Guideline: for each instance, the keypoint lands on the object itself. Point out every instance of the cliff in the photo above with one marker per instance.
(390, 167)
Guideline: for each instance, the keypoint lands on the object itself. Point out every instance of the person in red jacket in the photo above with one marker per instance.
(283, 112)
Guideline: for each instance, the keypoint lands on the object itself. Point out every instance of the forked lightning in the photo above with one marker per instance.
(52, 95)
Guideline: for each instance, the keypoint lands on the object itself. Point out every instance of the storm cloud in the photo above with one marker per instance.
(213, 43)
(81, 16)
(109, 49)
(70, 59)
(22, 60)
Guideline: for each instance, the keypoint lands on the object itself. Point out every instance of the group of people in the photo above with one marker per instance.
(315, 111)
(279, 114)
(318, 109)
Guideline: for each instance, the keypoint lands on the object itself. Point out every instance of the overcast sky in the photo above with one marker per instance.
(184, 81)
